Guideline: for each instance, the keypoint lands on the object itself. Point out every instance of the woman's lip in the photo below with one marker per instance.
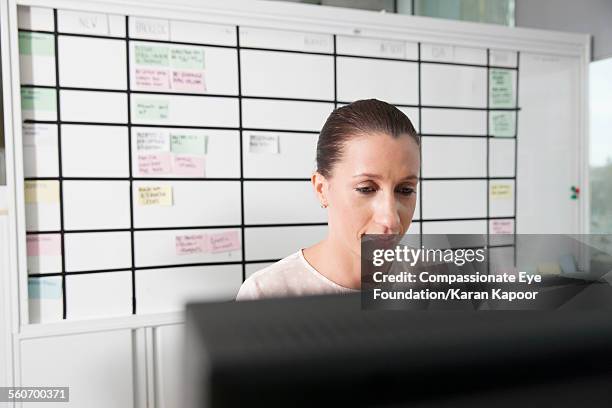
(380, 237)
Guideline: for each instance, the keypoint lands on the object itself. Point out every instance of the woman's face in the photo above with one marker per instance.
(372, 189)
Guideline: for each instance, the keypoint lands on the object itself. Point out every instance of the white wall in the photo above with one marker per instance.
(590, 17)
(5, 326)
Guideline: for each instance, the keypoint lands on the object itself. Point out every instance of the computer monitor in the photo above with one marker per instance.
(326, 351)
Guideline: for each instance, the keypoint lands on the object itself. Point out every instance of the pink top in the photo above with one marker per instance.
(291, 276)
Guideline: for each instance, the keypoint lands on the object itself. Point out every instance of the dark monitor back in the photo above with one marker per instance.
(326, 350)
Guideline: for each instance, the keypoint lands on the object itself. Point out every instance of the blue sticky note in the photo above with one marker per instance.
(45, 288)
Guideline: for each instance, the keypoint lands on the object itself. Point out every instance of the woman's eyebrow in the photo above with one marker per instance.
(378, 177)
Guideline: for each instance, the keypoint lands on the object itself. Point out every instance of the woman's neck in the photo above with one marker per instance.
(336, 262)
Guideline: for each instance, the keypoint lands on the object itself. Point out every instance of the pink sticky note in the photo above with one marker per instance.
(502, 227)
(188, 165)
(224, 241)
(191, 244)
(191, 81)
(152, 79)
(154, 163)
(44, 245)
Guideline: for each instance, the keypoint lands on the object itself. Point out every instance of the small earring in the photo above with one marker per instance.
(323, 205)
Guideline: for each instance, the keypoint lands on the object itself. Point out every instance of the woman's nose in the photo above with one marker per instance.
(387, 215)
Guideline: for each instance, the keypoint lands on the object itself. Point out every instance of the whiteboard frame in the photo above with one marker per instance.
(279, 15)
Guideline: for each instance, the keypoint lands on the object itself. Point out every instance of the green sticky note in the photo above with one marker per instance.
(502, 123)
(38, 44)
(38, 99)
(147, 108)
(184, 143)
(152, 55)
(45, 288)
(187, 58)
(501, 88)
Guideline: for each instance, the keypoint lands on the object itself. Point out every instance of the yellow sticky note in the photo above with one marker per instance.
(549, 268)
(499, 190)
(155, 195)
(42, 192)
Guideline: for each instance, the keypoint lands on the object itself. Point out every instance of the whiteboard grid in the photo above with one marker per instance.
(240, 129)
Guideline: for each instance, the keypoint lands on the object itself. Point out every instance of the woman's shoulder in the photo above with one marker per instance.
(273, 280)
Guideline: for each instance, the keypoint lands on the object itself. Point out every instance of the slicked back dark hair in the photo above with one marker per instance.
(358, 119)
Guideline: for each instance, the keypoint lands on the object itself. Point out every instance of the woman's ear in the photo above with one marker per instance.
(320, 184)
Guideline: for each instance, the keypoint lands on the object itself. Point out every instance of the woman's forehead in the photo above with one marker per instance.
(381, 146)
(380, 151)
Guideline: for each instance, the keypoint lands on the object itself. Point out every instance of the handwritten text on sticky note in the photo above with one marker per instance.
(36, 44)
(188, 143)
(191, 244)
(188, 81)
(188, 165)
(263, 144)
(155, 109)
(152, 140)
(154, 163)
(41, 191)
(38, 99)
(152, 79)
(155, 195)
(502, 226)
(501, 190)
(503, 123)
(224, 241)
(501, 88)
(45, 288)
(44, 245)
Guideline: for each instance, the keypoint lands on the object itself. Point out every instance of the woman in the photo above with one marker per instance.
(367, 172)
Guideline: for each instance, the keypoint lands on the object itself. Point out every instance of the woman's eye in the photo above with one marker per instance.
(406, 191)
(365, 190)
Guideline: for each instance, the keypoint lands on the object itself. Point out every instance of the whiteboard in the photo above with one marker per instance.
(168, 154)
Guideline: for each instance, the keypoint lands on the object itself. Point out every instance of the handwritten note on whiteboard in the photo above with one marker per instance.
(154, 163)
(150, 108)
(38, 99)
(151, 28)
(39, 134)
(188, 81)
(152, 140)
(501, 88)
(41, 191)
(188, 143)
(155, 195)
(264, 144)
(152, 55)
(84, 22)
(36, 44)
(183, 57)
(152, 79)
(502, 227)
(188, 165)
(43, 245)
(45, 288)
(501, 190)
(502, 123)
(224, 241)
(190, 244)
(165, 68)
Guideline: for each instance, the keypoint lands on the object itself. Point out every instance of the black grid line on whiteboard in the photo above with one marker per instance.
(243, 226)
(420, 196)
(131, 176)
(59, 161)
(240, 138)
